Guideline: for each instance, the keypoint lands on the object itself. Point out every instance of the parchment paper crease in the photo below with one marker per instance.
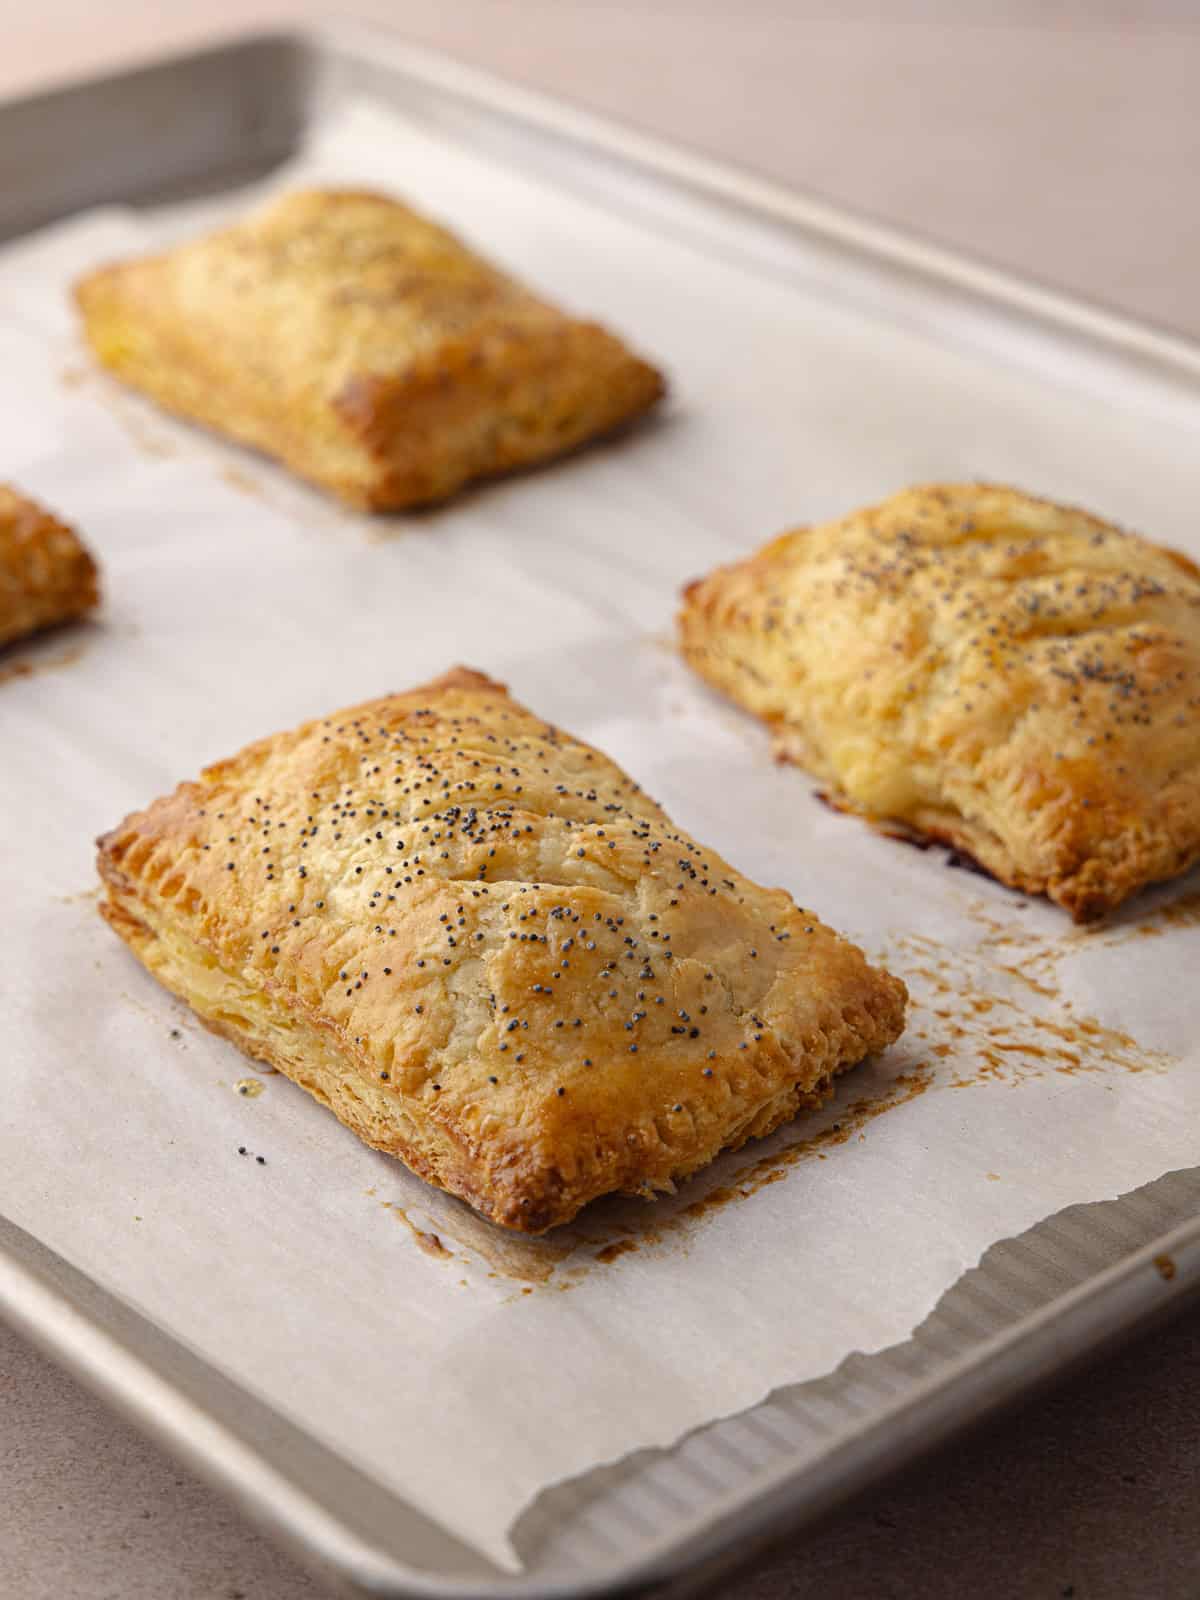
(466, 1376)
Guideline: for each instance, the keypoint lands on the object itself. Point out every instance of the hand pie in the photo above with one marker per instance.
(477, 941)
(363, 346)
(1010, 676)
(46, 575)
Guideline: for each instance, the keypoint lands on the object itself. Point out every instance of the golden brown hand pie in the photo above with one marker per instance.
(363, 346)
(1016, 678)
(46, 575)
(479, 943)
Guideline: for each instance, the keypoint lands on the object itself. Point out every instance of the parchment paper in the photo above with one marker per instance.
(1042, 1066)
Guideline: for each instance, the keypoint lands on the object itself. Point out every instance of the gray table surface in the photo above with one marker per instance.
(1059, 137)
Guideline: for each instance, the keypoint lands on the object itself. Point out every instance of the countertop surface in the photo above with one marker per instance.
(1058, 137)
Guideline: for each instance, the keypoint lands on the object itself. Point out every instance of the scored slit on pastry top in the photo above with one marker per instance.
(478, 942)
(1015, 678)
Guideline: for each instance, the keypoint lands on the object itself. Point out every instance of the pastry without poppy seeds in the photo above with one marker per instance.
(1016, 678)
(362, 345)
(478, 942)
(46, 575)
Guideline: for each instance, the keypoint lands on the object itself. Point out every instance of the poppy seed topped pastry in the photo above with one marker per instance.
(362, 345)
(477, 941)
(46, 575)
(1013, 677)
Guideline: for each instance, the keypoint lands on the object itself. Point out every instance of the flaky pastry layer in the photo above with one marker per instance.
(362, 345)
(489, 953)
(46, 575)
(1013, 677)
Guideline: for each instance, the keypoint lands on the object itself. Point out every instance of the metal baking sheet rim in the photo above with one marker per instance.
(32, 1293)
(1153, 1280)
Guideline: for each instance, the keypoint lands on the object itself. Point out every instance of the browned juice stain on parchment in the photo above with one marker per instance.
(1183, 912)
(136, 417)
(242, 481)
(505, 1255)
(619, 1247)
(427, 1241)
(138, 420)
(158, 445)
(619, 1226)
(82, 897)
(139, 429)
(851, 1120)
(995, 1011)
(29, 667)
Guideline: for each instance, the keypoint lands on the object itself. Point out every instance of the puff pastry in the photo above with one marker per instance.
(477, 941)
(1010, 676)
(46, 575)
(362, 345)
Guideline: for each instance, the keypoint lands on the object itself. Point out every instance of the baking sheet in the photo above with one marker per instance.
(1043, 1066)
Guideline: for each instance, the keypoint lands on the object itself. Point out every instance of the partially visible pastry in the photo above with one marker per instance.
(489, 953)
(46, 575)
(1016, 678)
(364, 346)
